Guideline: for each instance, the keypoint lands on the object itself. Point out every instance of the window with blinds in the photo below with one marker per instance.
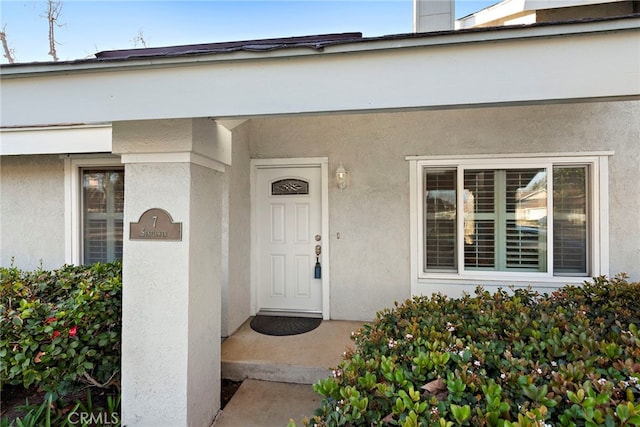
(504, 219)
(570, 220)
(102, 214)
(440, 219)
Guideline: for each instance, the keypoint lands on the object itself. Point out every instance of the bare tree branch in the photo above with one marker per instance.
(139, 39)
(8, 53)
(54, 8)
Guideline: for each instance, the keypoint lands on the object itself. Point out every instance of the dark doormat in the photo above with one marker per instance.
(282, 325)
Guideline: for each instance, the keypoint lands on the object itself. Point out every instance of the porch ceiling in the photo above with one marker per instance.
(558, 63)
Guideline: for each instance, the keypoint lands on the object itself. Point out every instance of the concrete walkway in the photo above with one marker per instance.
(269, 404)
(278, 373)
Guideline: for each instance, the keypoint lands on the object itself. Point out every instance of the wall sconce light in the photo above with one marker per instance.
(342, 177)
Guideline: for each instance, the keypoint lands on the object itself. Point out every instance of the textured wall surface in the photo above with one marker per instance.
(32, 211)
(238, 292)
(370, 261)
(171, 294)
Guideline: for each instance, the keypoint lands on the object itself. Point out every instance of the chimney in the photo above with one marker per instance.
(433, 15)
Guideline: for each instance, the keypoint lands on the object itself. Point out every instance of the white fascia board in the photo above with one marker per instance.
(56, 140)
(558, 63)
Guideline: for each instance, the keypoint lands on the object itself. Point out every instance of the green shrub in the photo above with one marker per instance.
(515, 358)
(60, 329)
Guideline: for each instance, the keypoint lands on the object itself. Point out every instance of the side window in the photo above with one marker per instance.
(94, 208)
(102, 214)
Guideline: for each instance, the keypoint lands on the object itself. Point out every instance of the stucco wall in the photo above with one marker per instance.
(370, 261)
(32, 211)
(237, 289)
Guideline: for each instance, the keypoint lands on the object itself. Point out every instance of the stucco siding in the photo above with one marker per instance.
(370, 261)
(32, 218)
(238, 293)
(369, 222)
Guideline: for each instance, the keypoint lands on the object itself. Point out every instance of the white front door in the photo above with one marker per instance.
(289, 230)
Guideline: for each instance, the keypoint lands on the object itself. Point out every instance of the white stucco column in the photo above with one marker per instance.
(171, 289)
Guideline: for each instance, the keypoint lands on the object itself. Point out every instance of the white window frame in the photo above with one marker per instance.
(73, 165)
(425, 283)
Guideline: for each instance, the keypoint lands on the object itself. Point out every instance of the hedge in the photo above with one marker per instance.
(512, 358)
(61, 329)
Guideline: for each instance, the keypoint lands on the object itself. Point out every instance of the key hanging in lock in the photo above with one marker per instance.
(317, 271)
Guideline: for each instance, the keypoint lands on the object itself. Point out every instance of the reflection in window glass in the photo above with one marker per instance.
(102, 212)
(570, 220)
(440, 219)
(529, 218)
(505, 215)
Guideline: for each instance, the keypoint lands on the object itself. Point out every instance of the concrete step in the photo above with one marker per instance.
(298, 359)
(238, 371)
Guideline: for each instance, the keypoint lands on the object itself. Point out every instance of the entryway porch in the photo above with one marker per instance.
(278, 372)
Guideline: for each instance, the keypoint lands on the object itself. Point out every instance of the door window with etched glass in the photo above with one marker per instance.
(102, 214)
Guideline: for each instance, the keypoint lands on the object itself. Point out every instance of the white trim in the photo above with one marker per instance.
(323, 163)
(73, 203)
(56, 140)
(510, 156)
(603, 221)
(598, 256)
(415, 218)
(569, 68)
(180, 157)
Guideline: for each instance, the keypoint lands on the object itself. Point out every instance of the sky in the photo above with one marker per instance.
(90, 26)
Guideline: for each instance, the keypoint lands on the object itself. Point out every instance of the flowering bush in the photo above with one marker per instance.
(60, 329)
(516, 358)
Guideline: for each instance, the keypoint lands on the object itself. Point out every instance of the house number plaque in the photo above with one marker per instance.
(155, 224)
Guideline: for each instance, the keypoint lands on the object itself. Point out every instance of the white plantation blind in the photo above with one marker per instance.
(440, 219)
(570, 220)
(525, 220)
(102, 211)
(480, 244)
(505, 215)
(511, 217)
(508, 234)
(506, 212)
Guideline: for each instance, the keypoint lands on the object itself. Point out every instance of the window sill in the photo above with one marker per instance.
(454, 285)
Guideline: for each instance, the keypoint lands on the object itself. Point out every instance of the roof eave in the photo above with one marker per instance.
(397, 41)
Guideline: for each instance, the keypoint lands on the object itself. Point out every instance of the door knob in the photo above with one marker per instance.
(318, 250)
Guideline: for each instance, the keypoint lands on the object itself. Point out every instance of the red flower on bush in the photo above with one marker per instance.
(56, 334)
(50, 320)
(73, 331)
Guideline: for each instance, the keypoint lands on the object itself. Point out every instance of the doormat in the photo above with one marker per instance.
(282, 325)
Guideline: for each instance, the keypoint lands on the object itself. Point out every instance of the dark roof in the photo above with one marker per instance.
(317, 42)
